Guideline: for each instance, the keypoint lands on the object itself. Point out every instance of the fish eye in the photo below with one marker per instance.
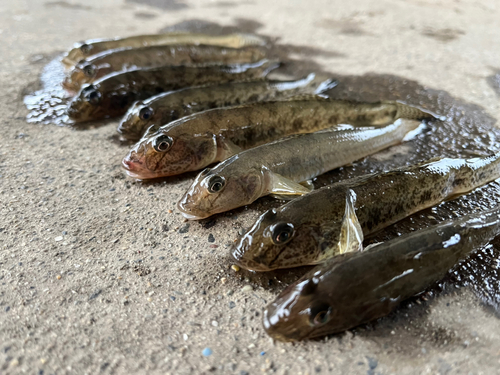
(89, 70)
(282, 233)
(91, 95)
(85, 48)
(163, 143)
(216, 184)
(145, 113)
(320, 314)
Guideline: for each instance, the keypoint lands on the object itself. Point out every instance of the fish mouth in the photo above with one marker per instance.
(192, 217)
(135, 169)
(239, 258)
(189, 214)
(70, 85)
(281, 332)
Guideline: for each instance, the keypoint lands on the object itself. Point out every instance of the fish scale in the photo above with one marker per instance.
(250, 125)
(167, 107)
(355, 288)
(381, 200)
(115, 93)
(280, 165)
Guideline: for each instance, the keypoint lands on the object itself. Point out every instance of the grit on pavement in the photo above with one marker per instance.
(100, 274)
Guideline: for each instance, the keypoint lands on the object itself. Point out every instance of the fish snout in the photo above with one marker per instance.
(241, 255)
(189, 210)
(134, 166)
(276, 325)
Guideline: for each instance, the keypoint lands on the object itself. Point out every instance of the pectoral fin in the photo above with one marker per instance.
(308, 184)
(351, 234)
(282, 186)
(226, 148)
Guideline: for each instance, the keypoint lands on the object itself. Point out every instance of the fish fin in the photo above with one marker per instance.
(351, 233)
(371, 246)
(283, 197)
(226, 148)
(308, 184)
(326, 85)
(282, 186)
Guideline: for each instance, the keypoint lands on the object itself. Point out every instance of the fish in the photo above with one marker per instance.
(311, 223)
(283, 166)
(113, 94)
(196, 141)
(167, 107)
(357, 287)
(92, 47)
(108, 62)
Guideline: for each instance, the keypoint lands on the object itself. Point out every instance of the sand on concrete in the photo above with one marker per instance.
(100, 273)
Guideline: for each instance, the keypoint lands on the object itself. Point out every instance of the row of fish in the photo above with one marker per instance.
(272, 138)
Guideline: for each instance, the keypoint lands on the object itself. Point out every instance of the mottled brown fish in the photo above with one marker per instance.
(358, 287)
(112, 95)
(306, 230)
(108, 62)
(196, 141)
(93, 47)
(170, 106)
(280, 167)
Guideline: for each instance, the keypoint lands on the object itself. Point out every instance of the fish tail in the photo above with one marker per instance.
(412, 113)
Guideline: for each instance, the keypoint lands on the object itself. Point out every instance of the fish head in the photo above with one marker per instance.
(221, 189)
(81, 74)
(78, 53)
(135, 120)
(163, 154)
(280, 238)
(300, 311)
(87, 104)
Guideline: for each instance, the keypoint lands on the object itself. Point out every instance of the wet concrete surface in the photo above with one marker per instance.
(100, 274)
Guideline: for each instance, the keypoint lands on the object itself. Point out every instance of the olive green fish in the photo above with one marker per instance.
(112, 95)
(93, 47)
(306, 230)
(357, 287)
(170, 106)
(280, 167)
(196, 141)
(108, 62)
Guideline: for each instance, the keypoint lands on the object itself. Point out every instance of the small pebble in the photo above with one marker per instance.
(247, 288)
(223, 280)
(235, 268)
(207, 352)
(58, 277)
(211, 238)
(58, 238)
(215, 323)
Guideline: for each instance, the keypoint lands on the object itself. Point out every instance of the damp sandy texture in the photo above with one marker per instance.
(99, 274)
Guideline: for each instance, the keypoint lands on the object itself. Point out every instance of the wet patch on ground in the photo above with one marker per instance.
(494, 81)
(466, 131)
(170, 5)
(65, 4)
(344, 27)
(145, 15)
(443, 35)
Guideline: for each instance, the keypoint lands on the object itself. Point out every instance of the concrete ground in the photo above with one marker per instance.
(100, 273)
